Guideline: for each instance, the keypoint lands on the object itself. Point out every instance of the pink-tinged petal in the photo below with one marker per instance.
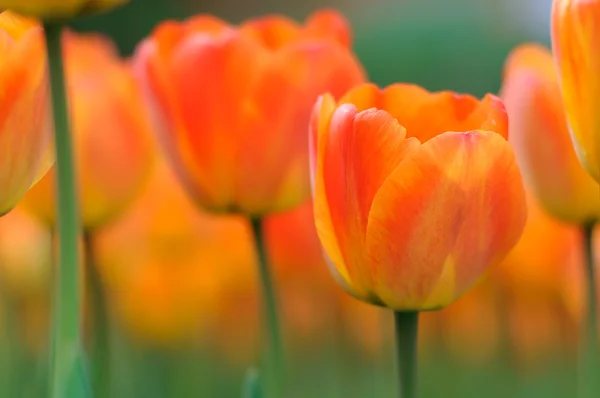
(451, 209)
(362, 150)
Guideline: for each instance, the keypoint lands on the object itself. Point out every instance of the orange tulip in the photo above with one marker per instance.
(25, 128)
(233, 103)
(168, 268)
(58, 9)
(575, 40)
(114, 151)
(416, 193)
(540, 137)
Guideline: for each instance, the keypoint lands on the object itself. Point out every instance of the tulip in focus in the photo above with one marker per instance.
(58, 9)
(25, 121)
(540, 137)
(233, 103)
(112, 134)
(416, 193)
(575, 40)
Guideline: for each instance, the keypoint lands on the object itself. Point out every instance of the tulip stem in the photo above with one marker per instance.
(590, 353)
(100, 349)
(66, 320)
(407, 324)
(273, 337)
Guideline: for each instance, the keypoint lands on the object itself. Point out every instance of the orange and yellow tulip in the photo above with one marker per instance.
(416, 193)
(540, 137)
(112, 134)
(233, 103)
(25, 121)
(575, 40)
(58, 9)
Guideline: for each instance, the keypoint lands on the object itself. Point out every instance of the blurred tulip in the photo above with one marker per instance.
(166, 266)
(25, 128)
(575, 40)
(233, 103)
(540, 137)
(112, 138)
(25, 255)
(416, 193)
(58, 9)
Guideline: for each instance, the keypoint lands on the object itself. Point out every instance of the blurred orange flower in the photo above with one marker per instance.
(113, 142)
(416, 193)
(233, 103)
(165, 265)
(58, 9)
(25, 128)
(575, 33)
(540, 137)
(25, 254)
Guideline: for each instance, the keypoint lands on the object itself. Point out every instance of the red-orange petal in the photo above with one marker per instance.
(273, 31)
(331, 24)
(451, 209)
(210, 77)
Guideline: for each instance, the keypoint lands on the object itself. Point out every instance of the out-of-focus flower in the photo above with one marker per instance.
(575, 38)
(25, 254)
(166, 266)
(58, 9)
(233, 103)
(540, 137)
(112, 137)
(25, 128)
(416, 193)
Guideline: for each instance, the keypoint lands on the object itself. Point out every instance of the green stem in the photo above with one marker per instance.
(406, 349)
(274, 346)
(100, 351)
(589, 355)
(66, 334)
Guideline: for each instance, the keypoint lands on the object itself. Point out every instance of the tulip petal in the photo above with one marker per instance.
(282, 98)
(210, 80)
(361, 151)
(541, 140)
(456, 202)
(318, 136)
(25, 131)
(575, 35)
(273, 31)
(329, 23)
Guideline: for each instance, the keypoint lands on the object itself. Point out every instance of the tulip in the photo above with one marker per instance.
(112, 135)
(58, 9)
(416, 193)
(25, 122)
(170, 269)
(233, 103)
(540, 137)
(575, 32)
